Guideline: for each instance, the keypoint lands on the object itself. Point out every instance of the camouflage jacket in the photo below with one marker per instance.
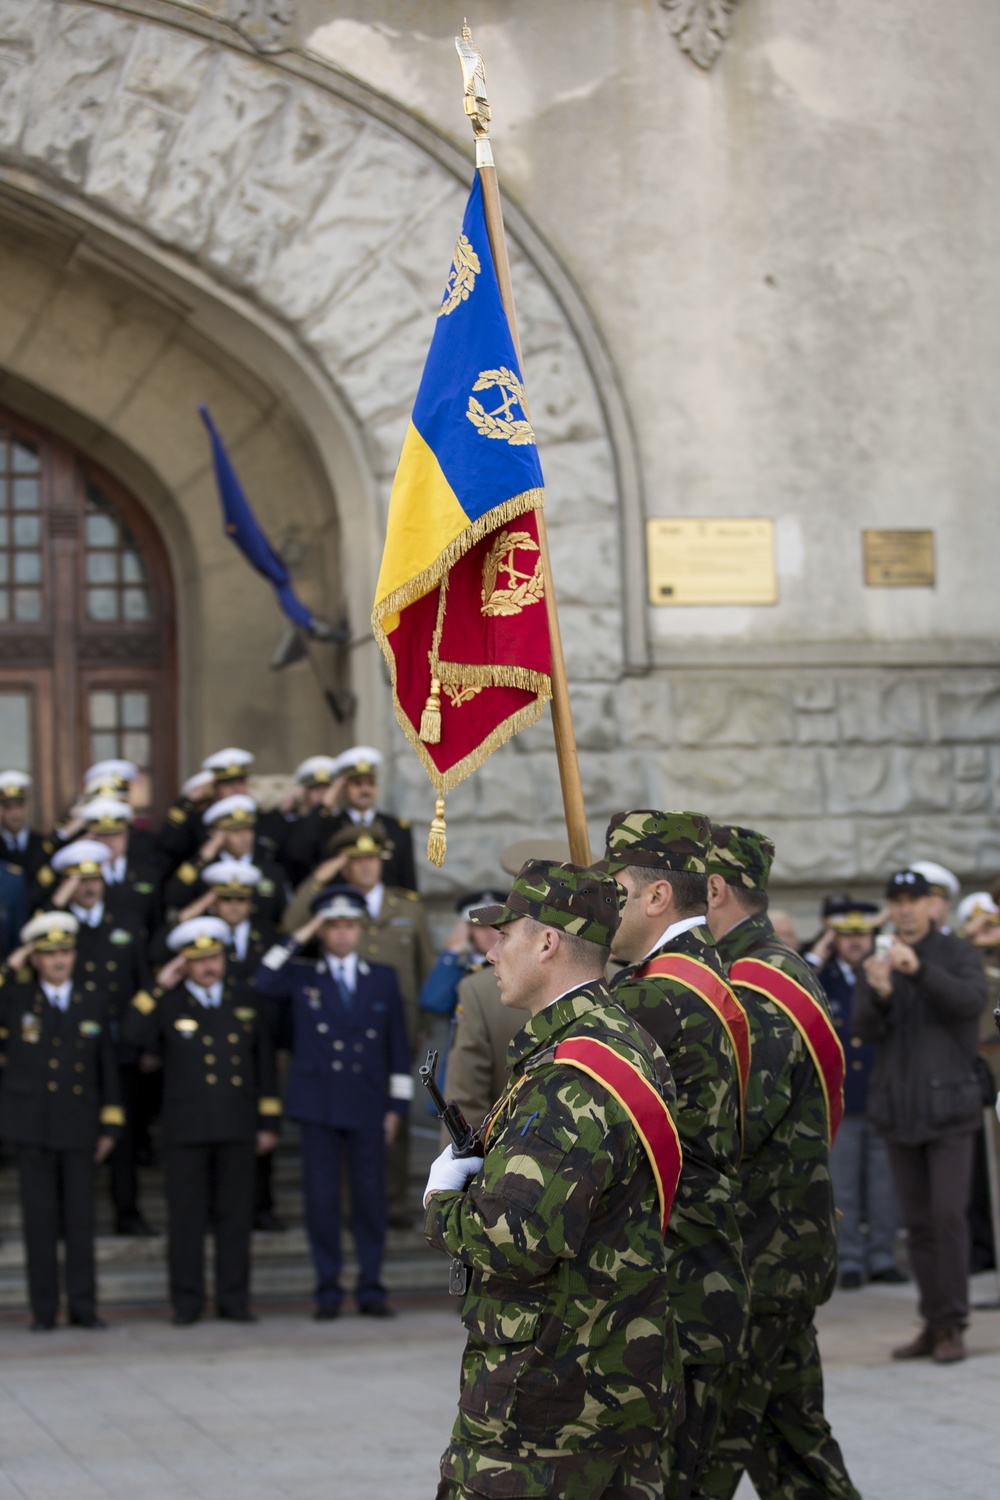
(786, 1205)
(706, 1269)
(571, 1340)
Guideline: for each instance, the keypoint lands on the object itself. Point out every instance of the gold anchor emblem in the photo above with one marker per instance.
(501, 422)
(523, 588)
(465, 268)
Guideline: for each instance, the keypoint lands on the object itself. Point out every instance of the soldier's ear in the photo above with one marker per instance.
(716, 892)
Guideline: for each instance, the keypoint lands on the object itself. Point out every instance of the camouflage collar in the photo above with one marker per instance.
(692, 940)
(744, 937)
(545, 1029)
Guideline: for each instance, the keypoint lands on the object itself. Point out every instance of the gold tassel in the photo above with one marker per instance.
(437, 843)
(430, 719)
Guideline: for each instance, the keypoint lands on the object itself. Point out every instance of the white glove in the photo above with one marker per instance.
(450, 1173)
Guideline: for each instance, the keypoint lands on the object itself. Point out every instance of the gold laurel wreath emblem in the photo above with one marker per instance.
(522, 588)
(501, 422)
(461, 281)
(459, 694)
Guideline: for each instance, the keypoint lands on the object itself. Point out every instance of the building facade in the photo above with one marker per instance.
(754, 250)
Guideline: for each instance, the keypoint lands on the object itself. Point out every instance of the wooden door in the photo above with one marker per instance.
(87, 625)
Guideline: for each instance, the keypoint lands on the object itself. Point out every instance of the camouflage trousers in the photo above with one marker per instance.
(685, 1454)
(468, 1472)
(773, 1424)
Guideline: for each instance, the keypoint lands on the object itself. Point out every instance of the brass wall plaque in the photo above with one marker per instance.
(727, 560)
(899, 559)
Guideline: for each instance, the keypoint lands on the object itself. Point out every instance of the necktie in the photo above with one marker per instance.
(346, 988)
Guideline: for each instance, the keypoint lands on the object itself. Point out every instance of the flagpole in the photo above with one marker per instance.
(478, 109)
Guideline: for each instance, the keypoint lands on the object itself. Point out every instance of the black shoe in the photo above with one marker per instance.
(891, 1276)
(185, 1320)
(326, 1312)
(377, 1310)
(135, 1227)
(43, 1325)
(851, 1280)
(269, 1223)
(92, 1322)
(243, 1316)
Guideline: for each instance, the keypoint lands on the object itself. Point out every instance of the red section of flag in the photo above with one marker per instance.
(493, 649)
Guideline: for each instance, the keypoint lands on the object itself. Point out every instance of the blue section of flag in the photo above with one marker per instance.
(474, 337)
(243, 528)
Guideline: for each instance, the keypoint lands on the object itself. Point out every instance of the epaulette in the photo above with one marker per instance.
(24, 975)
(403, 822)
(144, 1003)
(175, 815)
(48, 846)
(46, 876)
(412, 895)
(187, 873)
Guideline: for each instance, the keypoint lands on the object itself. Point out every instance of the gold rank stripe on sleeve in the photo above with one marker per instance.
(812, 1023)
(112, 1114)
(269, 1106)
(716, 993)
(641, 1101)
(144, 1003)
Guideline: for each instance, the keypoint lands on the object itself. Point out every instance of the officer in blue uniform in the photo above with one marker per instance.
(868, 1210)
(349, 1085)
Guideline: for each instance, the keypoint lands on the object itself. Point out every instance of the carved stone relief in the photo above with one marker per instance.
(700, 26)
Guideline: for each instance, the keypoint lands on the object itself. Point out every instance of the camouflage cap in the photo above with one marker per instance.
(584, 903)
(664, 840)
(740, 855)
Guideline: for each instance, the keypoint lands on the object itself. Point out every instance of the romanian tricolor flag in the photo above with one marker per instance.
(460, 607)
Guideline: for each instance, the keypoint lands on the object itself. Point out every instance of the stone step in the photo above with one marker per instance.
(132, 1272)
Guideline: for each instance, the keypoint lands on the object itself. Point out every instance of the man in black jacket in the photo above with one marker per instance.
(60, 1109)
(111, 958)
(920, 1003)
(220, 1107)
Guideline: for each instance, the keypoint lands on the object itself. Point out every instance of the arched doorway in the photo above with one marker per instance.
(87, 624)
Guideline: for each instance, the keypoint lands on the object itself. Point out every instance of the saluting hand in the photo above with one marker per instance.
(66, 891)
(198, 908)
(334, 794)
(172, 972)
(306, 933)
(19, 957)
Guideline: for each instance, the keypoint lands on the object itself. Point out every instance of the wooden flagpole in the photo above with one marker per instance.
(478, 109)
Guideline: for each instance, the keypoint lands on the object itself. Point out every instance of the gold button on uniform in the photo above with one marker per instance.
(233, 1036)
(237, 1082)
(53, 1062)
(210, 1078)
(235, 1060)
(207, 1040)
(79, 1067)
(57, 1041)
(53, 1087)
(78, 1088)
(855, 1041)
(210, 1058)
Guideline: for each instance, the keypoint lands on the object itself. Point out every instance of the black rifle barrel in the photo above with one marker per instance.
(465, 1141)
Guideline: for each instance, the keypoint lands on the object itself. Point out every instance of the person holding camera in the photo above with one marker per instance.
(919, 1001)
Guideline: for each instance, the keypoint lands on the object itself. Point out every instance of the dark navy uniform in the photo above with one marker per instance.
(111, 959)
(60, 1092)
(350, 1066)
(218, 1092)
(186, 885)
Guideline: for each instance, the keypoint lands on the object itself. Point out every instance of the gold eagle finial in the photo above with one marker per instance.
(477, 106)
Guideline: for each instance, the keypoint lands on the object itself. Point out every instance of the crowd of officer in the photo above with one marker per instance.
(173, 975)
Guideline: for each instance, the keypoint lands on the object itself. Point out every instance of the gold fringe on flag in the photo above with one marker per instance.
(430, 719)
(437, 842)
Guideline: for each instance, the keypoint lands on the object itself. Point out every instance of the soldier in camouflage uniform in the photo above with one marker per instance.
(773, 1423)
(659, 858)
(570, 1375)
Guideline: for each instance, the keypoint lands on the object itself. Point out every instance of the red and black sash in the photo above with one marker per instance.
(641, 1101)
(812, 1023)
(715, 992)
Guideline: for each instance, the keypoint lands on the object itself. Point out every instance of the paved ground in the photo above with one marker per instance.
(290, 1408)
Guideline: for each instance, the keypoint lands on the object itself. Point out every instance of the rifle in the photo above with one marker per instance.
(464, 1140)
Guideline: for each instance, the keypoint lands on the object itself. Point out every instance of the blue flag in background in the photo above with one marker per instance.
(243, 528)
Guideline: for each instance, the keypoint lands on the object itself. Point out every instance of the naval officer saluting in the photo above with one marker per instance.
(349, 1084)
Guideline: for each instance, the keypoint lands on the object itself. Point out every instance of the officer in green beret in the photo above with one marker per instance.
(773, 1424)
(568, 1382)
(675, 986)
